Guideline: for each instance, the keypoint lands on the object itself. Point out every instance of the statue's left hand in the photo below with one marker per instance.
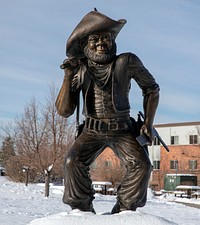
(148, 130)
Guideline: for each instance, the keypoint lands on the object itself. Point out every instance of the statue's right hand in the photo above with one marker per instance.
(70, 63)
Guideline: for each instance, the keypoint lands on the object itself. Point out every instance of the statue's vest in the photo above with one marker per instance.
(121, 82)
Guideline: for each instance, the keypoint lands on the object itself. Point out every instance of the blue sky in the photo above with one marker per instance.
(164, 34)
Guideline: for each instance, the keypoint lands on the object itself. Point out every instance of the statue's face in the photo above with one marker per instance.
(100, 42)
(100, 47)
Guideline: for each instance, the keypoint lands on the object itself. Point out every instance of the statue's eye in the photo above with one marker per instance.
(93, 38)
(107, 36)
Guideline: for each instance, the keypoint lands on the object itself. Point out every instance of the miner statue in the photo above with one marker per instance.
(104, 78)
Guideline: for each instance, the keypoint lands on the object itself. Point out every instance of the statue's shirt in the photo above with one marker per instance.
(101, 106)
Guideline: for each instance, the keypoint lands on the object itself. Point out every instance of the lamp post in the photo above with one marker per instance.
(26, 169)
(47, 179)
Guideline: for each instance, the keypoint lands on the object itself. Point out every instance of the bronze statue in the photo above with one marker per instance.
(104, 78)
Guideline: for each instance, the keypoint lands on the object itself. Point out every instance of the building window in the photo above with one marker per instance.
(108, 163)
(174, 165)
(192, 164)
(156, 141)
(156, 165)
(174, 140)
(193, 139)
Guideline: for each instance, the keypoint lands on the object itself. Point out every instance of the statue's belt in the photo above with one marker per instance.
(102, 125)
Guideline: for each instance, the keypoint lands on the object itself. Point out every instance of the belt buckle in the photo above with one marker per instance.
(113, 126)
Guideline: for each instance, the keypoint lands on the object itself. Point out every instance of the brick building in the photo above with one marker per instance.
(107, 167)
(183, 140)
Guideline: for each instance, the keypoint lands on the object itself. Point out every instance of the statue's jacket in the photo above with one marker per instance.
(125, 67)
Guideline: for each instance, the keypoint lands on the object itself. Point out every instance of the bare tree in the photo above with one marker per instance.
(6, 129)
(42, 138)
(31, 136)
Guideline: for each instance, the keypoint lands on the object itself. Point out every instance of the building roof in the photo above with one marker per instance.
(197, 123)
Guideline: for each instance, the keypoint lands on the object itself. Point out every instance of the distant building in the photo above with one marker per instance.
(183, 140)
(107, 167)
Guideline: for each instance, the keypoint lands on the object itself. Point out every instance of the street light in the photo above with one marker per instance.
(26, 169)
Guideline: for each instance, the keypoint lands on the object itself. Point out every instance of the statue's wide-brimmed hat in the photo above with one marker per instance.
(92, 22)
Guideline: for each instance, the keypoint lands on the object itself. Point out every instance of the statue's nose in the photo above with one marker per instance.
(100, 41)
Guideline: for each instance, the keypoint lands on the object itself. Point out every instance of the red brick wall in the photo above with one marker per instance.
(182, 154)
(104, 172)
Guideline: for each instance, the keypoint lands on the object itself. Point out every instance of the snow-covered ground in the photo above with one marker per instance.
(21, 205)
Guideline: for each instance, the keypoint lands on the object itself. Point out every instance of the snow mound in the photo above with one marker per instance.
(76, 217)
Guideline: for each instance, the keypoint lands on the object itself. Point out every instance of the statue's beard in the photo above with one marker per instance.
(100, 58)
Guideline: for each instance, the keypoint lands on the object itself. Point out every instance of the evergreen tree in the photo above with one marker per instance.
(7, 150)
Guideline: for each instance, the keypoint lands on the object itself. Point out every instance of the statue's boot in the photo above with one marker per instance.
(85, 208)
(119, 208)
